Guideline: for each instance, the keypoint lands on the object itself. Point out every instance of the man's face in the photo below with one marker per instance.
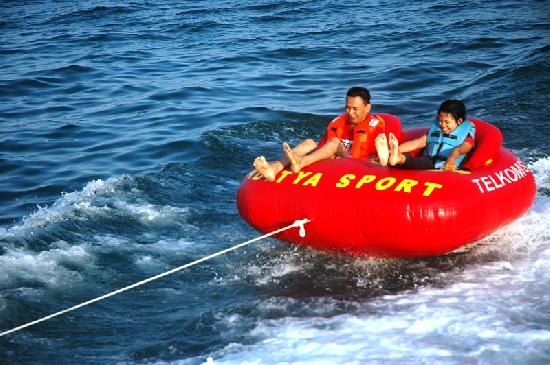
(356, 109)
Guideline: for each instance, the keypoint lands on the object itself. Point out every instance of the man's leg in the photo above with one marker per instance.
(270, 169)
(331, 149)
(381, 143)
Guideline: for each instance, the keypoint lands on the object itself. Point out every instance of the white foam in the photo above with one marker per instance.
(45, 267)
(67, 207)
(273, 272)
(541, 171)
(150, 257)
(479, 320)
(146, 212)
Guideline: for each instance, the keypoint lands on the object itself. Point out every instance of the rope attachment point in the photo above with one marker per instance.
(300, 223)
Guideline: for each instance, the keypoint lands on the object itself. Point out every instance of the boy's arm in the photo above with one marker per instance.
(413, 144)
(450, 163)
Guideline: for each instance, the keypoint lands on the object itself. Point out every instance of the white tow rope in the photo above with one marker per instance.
(299, 223)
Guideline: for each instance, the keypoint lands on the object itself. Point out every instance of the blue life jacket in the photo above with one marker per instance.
(439, 145)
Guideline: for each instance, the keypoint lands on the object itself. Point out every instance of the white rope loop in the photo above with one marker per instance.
(298, 223)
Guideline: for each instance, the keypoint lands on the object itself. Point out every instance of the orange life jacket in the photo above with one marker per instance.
(363, 134)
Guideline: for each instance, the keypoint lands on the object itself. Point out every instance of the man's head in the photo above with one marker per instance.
(357, 104)
(450, 114)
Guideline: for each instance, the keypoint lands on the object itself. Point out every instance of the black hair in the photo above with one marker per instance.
(454, 107)
(362, 92)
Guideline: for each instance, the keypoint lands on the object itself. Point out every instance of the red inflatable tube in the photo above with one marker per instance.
(362, 209)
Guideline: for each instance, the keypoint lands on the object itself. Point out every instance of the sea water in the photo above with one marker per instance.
(126, 128)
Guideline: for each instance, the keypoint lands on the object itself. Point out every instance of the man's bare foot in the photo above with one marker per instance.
(294, 160)
(262, 166)
(381, 143)
(395, 155)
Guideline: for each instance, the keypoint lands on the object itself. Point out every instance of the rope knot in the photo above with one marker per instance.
(300, 223)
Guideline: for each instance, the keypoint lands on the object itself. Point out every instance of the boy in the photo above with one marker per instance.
(446, 144)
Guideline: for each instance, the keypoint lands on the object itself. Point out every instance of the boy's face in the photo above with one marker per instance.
(447, 122)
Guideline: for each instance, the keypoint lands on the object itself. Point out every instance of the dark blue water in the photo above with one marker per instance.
(126, 128)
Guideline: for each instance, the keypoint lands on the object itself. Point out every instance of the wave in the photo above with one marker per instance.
(70, 206)
(98, 199)
(96, 12)
(64, 244)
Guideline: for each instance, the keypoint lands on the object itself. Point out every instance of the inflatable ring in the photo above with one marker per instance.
(360, 208)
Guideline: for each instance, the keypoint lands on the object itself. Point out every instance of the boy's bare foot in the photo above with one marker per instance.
(295, 161)
(395, 155)
(262, 166)
(381, 143)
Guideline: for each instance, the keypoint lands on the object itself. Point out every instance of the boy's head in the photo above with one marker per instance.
(450, 114)
(454, 107)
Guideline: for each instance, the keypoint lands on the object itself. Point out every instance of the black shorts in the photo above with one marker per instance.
(417, 163)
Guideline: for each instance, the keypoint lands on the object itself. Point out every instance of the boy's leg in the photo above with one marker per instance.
(416, 163)
(396, 157)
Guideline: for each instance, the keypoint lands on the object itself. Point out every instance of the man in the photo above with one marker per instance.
(350, 135)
